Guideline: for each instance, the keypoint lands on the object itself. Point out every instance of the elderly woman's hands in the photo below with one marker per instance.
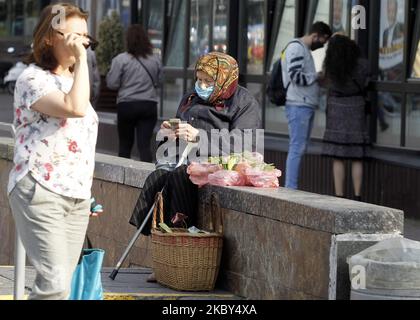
(184, 131)
(187, 132)
(166, 131)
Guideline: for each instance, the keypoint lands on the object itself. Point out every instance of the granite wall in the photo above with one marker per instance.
(279, 244)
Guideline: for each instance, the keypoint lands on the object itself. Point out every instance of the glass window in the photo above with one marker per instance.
(256, 89)
(220, 26)
(391, 51)
(155, 24)
(286, 30)
(256, 31)
(389, 119)
(121, 6)
(415, 58)
(200, 29)
(275, 117)
(176, 36)
(322, 12)
(105, 8)
(12, 18)
(172, 95)
(416, 64)
(413, 122)
(3, 18)
(341, 16)
(18, 18)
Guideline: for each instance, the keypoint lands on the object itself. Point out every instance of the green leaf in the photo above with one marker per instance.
(233, 161)
(165, 228)
(269, 167)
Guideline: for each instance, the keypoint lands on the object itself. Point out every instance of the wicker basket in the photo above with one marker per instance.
(185, 261)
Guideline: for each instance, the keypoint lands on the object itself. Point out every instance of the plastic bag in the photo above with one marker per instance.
(253, 157)
(227, 178)
(391, 264)
(242, 167)
(199, 172)
(263, 179)
(86, 281)
(197, 169)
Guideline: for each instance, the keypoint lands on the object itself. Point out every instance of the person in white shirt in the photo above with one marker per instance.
(56, 132)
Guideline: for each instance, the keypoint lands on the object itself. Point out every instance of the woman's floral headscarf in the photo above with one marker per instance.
(225, 72)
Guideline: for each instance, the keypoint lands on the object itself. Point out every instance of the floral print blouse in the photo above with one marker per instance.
(59, 153)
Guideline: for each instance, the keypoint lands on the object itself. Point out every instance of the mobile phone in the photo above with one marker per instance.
(174, 123)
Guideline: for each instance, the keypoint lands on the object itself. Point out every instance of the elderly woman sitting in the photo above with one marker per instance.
(217, 102)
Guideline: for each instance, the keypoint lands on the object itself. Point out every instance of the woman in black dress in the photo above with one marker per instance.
(346, 136)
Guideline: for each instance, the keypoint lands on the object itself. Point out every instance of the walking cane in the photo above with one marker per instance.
(114, 273)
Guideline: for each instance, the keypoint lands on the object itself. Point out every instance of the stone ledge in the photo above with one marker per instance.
(6, 148)
(312, 211)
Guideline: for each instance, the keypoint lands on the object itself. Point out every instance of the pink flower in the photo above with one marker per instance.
(73, 146)
(49, 167)
(18, 113)
(63, 123)
(47, 177)
(18, 167)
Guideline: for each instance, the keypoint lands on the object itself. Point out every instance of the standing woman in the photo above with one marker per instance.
(346, 136)
(136, 74)
(56, 132)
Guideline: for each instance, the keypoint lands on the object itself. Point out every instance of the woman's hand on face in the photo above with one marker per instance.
(187, 132)
(76, 43)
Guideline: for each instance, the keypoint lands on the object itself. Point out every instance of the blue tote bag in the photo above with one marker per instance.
(87, 282)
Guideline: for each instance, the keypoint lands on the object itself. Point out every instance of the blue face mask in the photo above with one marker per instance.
(203, 93)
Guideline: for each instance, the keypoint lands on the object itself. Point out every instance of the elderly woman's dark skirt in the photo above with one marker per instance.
(180, 196)
(346, 135)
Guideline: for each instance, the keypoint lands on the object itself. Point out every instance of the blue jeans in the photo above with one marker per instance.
(301, 121)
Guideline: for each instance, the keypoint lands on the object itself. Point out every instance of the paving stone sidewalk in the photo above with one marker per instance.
(130, 284)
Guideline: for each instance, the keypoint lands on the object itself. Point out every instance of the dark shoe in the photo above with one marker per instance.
(358, 198)
(151, 278)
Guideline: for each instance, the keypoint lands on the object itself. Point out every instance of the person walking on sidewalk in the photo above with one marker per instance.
(346, 136)
(301, 79)
(56, 132)
(136, 74)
